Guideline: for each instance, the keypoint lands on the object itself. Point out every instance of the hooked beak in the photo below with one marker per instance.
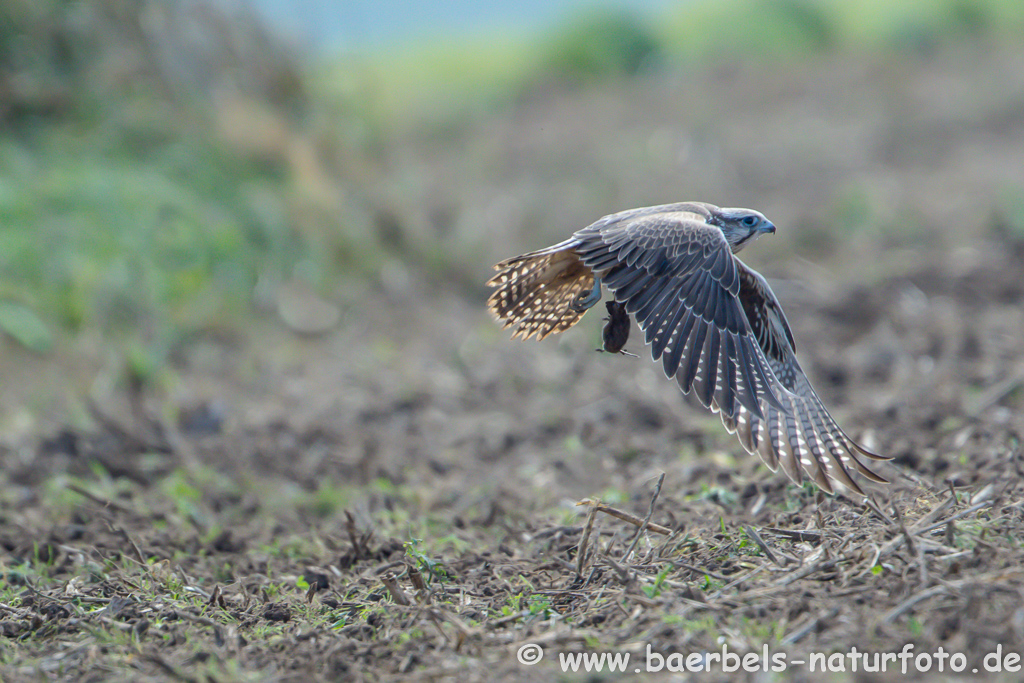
(767, 227)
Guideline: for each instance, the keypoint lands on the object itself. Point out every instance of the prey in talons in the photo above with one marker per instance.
(616, 329)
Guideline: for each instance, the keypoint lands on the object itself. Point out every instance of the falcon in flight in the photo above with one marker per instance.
(714, 323)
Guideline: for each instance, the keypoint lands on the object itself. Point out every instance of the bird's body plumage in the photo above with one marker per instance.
(713, 322)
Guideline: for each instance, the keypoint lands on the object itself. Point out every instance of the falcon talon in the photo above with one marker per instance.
(713, 322)
(584, 302)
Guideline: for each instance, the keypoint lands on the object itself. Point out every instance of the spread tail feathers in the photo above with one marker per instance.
(536, 292)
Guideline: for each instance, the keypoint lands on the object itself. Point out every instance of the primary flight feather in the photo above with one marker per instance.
(714, 324)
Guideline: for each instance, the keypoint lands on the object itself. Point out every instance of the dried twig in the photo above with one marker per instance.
(756, 538)
(798, 634)
(899, 609)
(397, 594)
(99, 500)
(810, 536)
(906, 534)
(626, 517)
(647, 520)
(416, 578)
(360, 543)
(584, 544)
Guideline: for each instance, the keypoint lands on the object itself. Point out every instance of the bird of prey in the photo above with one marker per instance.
(714, 323)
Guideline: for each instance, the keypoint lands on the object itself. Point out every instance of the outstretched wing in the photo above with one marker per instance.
(802, 437)
(679, 279)
(720, 332)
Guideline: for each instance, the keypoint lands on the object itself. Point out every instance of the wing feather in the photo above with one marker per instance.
(729, 382)
(694, 347)
(651, 303)
(714, 324)
(804, 437)
(675, 244)
(718, 329)
(676, 341)
(704, 382)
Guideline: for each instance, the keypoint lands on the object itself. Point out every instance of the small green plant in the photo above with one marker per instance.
(718, 494)
(653, 590)
(432, 569)
(513, 606)
(539, 605)
(710, 584)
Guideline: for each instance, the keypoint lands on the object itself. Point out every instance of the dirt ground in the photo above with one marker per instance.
(398, 499)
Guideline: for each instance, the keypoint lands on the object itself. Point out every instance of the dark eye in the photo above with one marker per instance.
(749, 221)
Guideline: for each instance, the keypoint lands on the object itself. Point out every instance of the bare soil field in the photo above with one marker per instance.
(399, 498)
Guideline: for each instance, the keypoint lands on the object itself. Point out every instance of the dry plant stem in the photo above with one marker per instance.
(647, 520)
(627, 517)
(397, 594)
(584, 544)
(809, 536)
(99, 500)
(756, 538)
(906, 534)
(625, 576)
(798, 634)
(416, 578)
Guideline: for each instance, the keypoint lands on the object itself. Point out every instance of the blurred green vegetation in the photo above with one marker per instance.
(99, 232)
(602, 44)
(150, 188)
(128, 202)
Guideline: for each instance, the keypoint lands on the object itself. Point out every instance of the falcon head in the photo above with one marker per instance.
(740, 226)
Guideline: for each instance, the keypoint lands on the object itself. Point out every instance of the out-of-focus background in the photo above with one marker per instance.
(243, 247)
(175, 171)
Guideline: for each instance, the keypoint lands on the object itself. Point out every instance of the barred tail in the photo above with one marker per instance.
(535, 291)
